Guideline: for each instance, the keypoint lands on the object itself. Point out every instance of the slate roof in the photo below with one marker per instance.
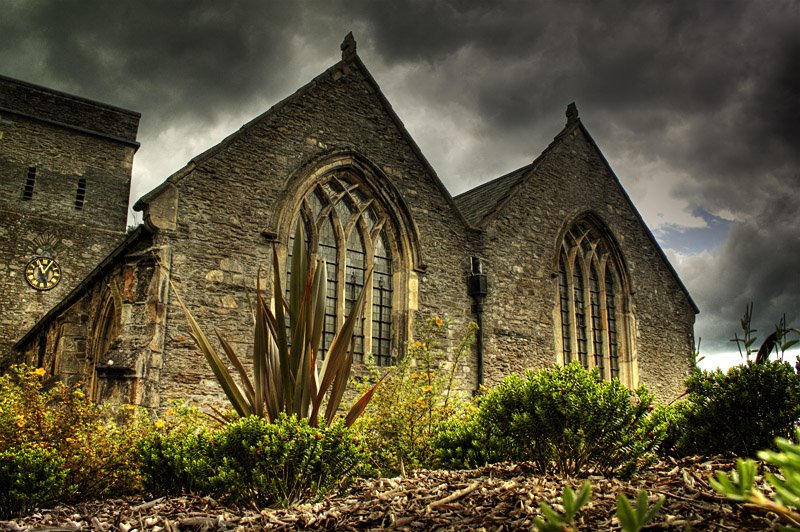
(478, 203)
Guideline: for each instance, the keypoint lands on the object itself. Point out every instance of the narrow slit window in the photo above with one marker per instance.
(30, 182)
(80, 194)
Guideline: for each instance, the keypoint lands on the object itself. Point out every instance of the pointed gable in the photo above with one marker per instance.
(349, 74)
(487, 201)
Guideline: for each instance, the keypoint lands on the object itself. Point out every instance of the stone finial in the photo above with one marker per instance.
(572, 114)
(348, 47)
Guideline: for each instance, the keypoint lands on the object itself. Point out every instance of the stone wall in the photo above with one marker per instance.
(244, 189)
(118, 359)
(64, 139)
(520, 245)
(212, 228)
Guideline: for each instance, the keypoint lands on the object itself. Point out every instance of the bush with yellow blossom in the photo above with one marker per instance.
(56, 445)
(415, 398)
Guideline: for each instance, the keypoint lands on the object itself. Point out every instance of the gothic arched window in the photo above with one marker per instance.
(591, 314)
(345, 226)
(105, 332)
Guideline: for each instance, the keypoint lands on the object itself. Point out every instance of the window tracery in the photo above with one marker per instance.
(591, 307)
(345, 226)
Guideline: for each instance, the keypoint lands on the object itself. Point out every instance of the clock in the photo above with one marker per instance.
(42, 273)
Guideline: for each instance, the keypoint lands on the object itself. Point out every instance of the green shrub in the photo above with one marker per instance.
(667, 422)
(173, 458)
(566, 420)
(30, 477)
(95, 446)
(414, 399)
(261, 463)
(739, 411)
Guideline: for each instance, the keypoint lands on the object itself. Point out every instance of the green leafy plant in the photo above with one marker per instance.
(741, 486)
(746, 344)
(566, 420)
(778, 341)
(30, 477)
(279, 463)
(736, 412)
(417, 396)
(634, 519)
(564, 522)
(173, 458)
(285, 377)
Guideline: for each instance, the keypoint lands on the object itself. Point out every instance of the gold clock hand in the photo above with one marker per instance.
(48, 266)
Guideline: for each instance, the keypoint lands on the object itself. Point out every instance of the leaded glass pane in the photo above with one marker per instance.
(369, 218)
(611, 310)
(580, 313)
(382, 304)
(354, 285)
(343, 211)
(332, 207)
(315, 202)
(328, 250)
(563, 292)
(597, 320)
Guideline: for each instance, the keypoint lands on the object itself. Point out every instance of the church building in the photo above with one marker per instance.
(552, 260)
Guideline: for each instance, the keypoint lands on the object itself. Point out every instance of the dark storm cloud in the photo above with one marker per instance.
(695, 100)
(179, 60)
(709, 89)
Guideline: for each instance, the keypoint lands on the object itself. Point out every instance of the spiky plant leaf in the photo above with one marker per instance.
(285, 346)
(249, 391)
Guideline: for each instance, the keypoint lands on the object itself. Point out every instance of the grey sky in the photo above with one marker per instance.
(695, 104)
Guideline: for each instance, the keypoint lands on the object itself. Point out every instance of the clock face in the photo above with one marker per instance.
(43, 273)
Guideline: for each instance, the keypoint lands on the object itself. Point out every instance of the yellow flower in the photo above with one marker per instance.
(38, 372)
(417, 344)
(20, 421)
(159, 424)
(170, 411)
(426, 389)
(438, 321)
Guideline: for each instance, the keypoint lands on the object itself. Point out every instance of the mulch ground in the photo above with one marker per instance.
(496, 497)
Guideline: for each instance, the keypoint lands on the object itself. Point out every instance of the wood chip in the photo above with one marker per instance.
(500, 496)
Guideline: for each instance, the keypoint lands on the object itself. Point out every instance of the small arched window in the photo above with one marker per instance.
(105, 332)
(591, 302)
(345, 226)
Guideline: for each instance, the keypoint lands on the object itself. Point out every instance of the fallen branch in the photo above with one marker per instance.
(452, 497)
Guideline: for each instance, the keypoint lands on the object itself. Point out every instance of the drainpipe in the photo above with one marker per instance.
(477, 289)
